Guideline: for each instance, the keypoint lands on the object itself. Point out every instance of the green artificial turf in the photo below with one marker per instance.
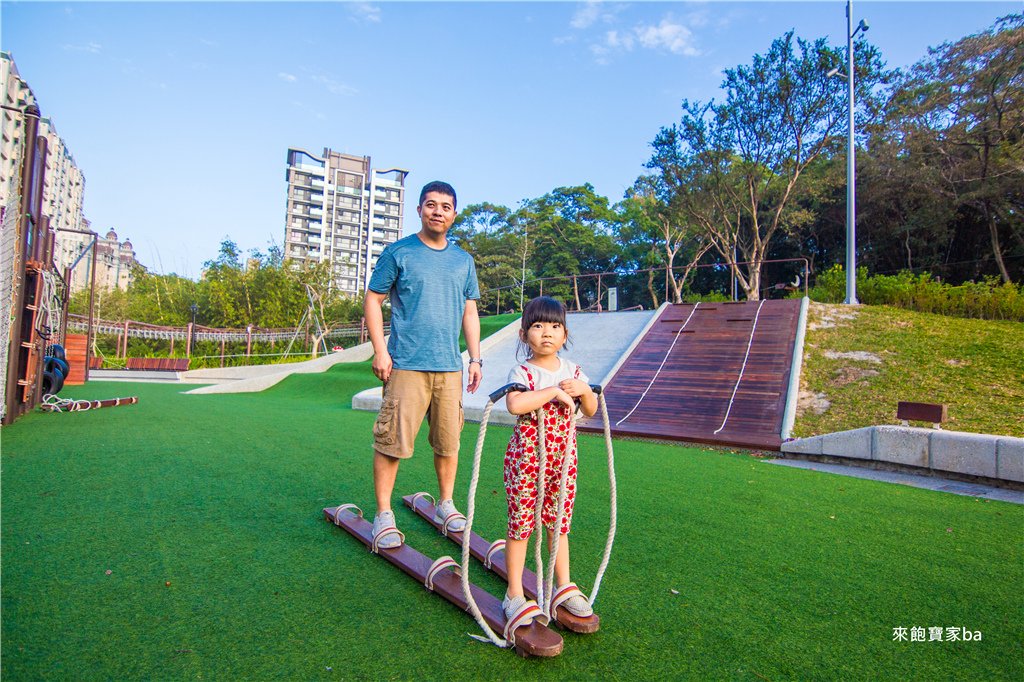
(724, 567)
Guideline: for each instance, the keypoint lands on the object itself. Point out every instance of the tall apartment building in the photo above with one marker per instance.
(342, 211)
(63, 182)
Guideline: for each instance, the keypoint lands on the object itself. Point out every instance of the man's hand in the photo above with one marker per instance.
(382, 366)
(475, 375)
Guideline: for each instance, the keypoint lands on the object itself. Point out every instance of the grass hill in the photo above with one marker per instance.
(860, 361)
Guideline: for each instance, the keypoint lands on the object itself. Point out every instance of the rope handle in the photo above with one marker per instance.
(743, 368)
(438, 566)
(507, 388)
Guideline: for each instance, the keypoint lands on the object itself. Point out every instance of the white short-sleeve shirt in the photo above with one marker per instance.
(543, 378)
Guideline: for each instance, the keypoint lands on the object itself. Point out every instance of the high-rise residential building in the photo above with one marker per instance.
(343, 211)
(63, 182)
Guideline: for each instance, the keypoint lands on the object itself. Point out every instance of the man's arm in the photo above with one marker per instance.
(375, 326)
(471, 330)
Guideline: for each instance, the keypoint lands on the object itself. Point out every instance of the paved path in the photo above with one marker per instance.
(917, 481)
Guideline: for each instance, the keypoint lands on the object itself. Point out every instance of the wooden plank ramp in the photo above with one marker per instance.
(690, 397)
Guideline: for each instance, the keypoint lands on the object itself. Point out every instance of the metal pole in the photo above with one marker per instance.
(851, 177)
(90, 335)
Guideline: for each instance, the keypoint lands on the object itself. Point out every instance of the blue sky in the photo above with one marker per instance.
(180, 114)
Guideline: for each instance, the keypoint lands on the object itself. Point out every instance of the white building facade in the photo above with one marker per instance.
(63, 181)
(342, 211)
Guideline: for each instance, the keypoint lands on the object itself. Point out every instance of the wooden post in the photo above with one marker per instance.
(221, 351)
(598, 293)
(125, 353)
(189, 331)
(248, 340)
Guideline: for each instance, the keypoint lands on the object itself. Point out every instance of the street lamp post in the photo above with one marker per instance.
(851, 178)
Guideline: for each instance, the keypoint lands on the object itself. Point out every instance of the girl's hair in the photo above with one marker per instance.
(540, 309)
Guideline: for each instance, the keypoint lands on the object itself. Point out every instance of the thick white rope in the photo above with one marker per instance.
(492, 637)
(614, 495)
(542, 474)
(49, 308)
(662, 365)
(743, 368)
(52, 403)
(556, 533)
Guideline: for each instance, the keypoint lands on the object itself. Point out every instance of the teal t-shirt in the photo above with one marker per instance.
(428, 290)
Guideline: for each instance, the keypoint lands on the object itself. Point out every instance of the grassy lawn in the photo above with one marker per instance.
(781, 573)
(973, 366)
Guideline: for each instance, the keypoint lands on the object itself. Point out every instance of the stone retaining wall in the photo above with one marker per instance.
(999, 458)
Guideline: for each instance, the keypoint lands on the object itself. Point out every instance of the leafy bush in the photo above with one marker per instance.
(989, 299)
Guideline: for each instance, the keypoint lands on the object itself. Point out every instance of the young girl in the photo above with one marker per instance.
(554, 383)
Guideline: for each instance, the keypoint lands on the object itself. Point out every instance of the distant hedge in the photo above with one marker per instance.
(989, 299)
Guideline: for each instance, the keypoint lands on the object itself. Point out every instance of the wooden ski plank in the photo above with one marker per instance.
(538, 639)
(477, 545)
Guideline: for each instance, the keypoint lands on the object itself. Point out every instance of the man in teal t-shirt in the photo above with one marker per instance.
(433, 290)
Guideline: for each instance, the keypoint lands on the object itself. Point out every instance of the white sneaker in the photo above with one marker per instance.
(386, 519)
(446, 514)
(512, 604)
(578, 604)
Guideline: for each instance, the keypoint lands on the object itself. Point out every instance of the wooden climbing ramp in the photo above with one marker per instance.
(710, 373)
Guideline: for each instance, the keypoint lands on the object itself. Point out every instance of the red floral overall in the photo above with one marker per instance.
(521, 468)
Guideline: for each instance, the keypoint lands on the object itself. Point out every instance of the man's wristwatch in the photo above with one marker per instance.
(479, 361)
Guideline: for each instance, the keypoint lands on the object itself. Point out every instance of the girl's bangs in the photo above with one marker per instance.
(548, 310)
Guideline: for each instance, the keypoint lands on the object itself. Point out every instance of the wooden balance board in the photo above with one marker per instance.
(531, 640)
(478, 547)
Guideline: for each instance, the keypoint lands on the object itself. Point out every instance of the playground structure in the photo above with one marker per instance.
(719, 373)
(32, 294)
(712, 372)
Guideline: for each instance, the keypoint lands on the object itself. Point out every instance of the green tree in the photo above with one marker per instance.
(955, 125)
(734, 167)
(490, 233)
(570, 233)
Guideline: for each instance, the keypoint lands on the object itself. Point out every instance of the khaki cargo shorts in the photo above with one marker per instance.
(409, 396)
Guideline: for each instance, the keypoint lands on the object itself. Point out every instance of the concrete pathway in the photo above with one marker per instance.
(917, 481)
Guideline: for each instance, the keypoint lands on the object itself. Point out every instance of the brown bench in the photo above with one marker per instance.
(921, 412)
(158, 364)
